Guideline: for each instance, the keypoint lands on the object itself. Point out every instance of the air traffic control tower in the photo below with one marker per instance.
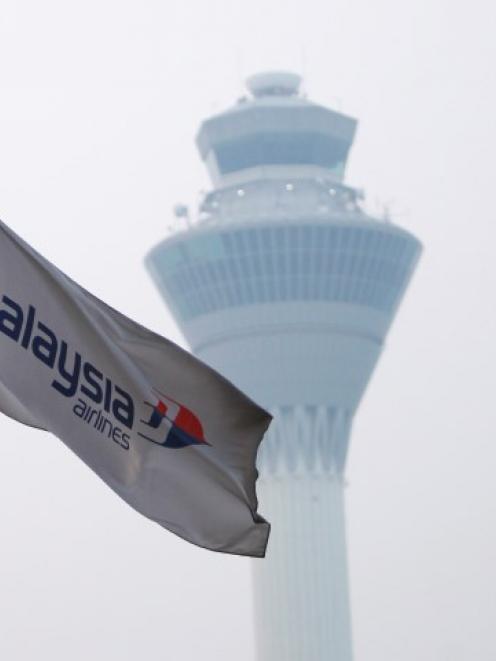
(287, 287)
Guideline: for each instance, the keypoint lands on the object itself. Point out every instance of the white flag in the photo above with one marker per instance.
(172, 437)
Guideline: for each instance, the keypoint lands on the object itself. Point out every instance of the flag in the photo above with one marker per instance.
(167, 433)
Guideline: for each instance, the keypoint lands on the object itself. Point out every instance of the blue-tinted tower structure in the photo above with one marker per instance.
(288, 287)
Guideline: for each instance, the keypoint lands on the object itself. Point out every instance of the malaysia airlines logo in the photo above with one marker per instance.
(171, 424)
(95, 399)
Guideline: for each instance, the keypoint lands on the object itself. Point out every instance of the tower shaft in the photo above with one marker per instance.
(301, 590)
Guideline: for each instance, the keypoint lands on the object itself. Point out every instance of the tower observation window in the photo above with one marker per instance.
(281, 149)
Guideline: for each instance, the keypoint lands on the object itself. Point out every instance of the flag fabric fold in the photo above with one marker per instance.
(167, 433)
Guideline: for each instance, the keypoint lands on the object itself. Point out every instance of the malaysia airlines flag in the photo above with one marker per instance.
(171, 436)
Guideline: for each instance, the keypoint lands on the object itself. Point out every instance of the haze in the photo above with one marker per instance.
(100, 103)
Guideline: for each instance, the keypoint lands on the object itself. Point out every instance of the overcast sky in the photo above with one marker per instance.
(100, 102)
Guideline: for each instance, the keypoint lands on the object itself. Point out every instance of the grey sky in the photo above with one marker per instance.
(100, 102)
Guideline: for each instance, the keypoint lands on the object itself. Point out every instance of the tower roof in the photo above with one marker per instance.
(274, 83)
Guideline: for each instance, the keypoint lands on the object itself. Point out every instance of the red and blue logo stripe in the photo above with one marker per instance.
(175, 424)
